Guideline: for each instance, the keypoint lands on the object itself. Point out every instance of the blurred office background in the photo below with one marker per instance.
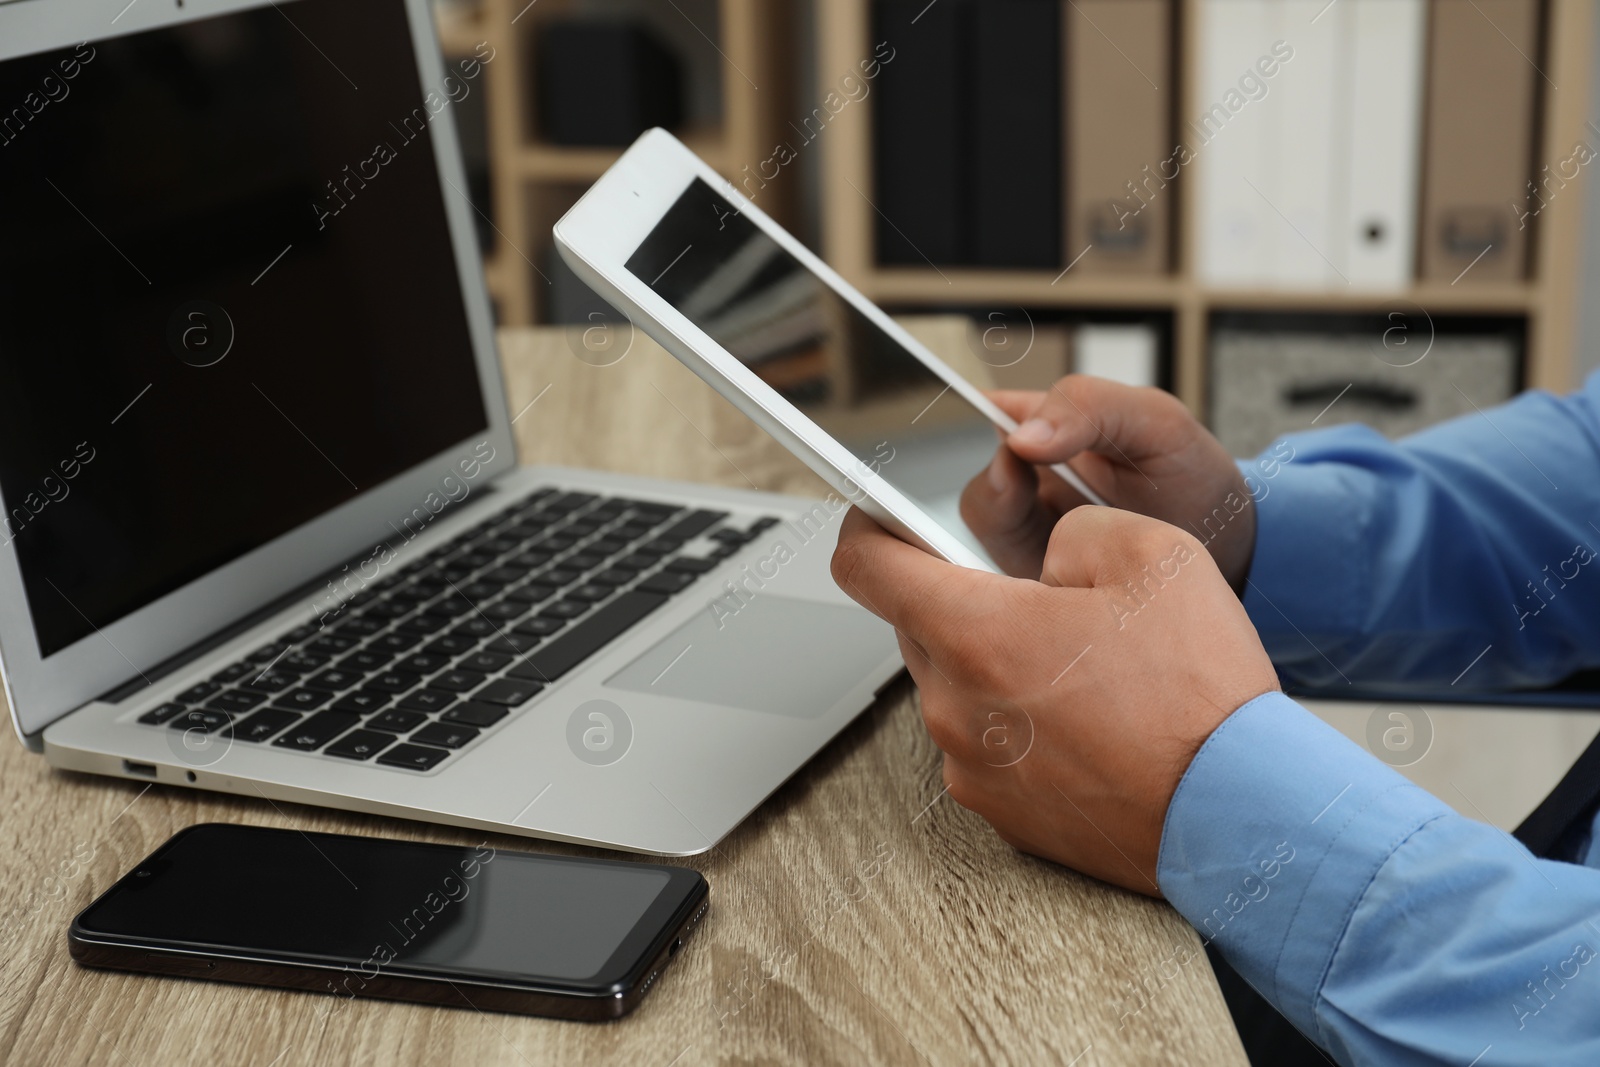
(1290, 212)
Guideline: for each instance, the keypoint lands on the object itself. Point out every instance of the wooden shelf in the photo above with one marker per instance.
(460, 28)
(1547, 302)
(563, 163)
(952, 285)
(531, 179)
(955, 286)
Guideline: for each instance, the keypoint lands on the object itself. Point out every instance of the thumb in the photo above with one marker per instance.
(1122, 423)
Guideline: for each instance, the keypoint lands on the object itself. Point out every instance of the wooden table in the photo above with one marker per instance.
(858, 916)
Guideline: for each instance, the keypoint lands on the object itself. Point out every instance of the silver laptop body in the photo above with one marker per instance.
(257, 467)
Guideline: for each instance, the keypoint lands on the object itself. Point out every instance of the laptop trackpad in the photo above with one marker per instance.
(790, 657)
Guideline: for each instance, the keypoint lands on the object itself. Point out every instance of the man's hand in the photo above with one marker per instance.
(1140, 449)
(1068, 708)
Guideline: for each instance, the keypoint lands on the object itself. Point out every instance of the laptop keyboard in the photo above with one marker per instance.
(419, 665)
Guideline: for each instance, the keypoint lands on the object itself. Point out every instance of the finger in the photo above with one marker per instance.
(914, 591)
(1018, 403)
(1096, 546)
(1123, 423)
(1001, 505)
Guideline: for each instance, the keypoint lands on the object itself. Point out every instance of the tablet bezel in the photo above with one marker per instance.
(606, 227)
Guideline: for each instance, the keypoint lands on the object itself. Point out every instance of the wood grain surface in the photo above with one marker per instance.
(858, 917)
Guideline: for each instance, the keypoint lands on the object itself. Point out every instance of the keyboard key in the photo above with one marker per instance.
(390, 610)
(303, 662)
(583, 561)
(302, 699)
(588, 637)
(205, 720)
(514, 643)
(695, 523)
(422, 663)
(539, 627)
(570, 501)
(234, 672)
(268, 653)
(763, 524)
(614, 576)
(157, 716)
(591, 594)
(531, 559)
(273, 681)
(413, 757)
(506, 610)
(318, 730)
(199, 691)
(506, 575)
(458, 681)
(263, 724)
(478, 592)
(362, 702)
(360, 744)
(511, 692)
(473, 713)
(608, 546)
(360, 626)
(299, 633)
(734, 538)
(532, 593)
(235, 701)
(450, 644)
(662, 546)
(563, 609)
(667, 582)
(427, 701)
(394, 682)
(423, 625)
(445, 735)
(395, 642)
(476, 627)
(487, 662)
(333, 680)
(332, 644)
(558, 576)
(452, 606)
(396, 721)
(365, 660)
(690, 565)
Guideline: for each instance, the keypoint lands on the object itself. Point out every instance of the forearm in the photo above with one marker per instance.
(1384, 925)
(1398, 563)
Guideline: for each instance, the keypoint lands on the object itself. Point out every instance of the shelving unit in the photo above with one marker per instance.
(534, 182)
(1547, 300)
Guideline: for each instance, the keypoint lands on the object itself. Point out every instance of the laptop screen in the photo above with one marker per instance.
(228, 298)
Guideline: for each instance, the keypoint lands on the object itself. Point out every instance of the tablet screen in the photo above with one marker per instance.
(892, 412)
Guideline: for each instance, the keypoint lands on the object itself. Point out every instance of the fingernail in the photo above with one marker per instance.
(1034, 432)
(999, 477)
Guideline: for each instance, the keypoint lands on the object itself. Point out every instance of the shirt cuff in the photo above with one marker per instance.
(1272, 838)
(1310, 564)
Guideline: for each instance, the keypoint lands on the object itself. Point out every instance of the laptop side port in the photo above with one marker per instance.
(143, 770)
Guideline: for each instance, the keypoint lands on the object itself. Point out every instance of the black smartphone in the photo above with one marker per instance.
(366, 917)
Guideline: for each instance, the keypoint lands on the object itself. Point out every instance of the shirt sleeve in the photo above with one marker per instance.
(1464, 554)
(1386, 927)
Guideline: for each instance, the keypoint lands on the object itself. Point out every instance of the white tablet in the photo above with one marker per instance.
(697, 266)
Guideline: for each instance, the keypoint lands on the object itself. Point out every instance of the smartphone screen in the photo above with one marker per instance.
(820, 353)
(397, 907)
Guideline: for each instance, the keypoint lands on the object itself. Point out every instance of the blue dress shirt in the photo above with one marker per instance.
(1388, 928)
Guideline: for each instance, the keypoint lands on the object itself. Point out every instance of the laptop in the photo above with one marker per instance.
(265, 533)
